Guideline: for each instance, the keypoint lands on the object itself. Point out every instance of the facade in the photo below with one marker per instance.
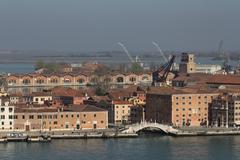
(120, 112)
(137, 114)
(41, 97)
(51, 118)
(208, 68)
(225, 111)
(179, 107)
(6, 117)
(187, 64)
(75, 79)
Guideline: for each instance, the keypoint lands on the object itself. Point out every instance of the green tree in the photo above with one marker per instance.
(40, 64)
(136, 68)
(100, 91)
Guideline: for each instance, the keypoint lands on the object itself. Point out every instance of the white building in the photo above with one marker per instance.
(203, 68)
(208, 68)
(6, 116)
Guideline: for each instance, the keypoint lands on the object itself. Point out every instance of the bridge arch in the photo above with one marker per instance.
(138, 127)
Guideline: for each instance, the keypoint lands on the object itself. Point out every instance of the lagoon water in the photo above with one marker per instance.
(29, 67)
(149, 147)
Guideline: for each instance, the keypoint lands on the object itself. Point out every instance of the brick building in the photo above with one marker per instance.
(180, 107)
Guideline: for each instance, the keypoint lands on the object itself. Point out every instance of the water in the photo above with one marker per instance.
(16, 67)
(143, 148)
(29, 67)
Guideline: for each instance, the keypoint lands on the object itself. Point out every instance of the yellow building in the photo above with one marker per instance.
(120, 112)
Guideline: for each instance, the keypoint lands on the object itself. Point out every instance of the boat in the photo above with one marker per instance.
(3, 139)
(42, 138)
(16, 137)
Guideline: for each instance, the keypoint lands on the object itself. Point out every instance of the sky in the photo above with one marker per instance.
(98, 25)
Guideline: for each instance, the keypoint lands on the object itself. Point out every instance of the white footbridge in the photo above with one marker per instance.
(134, 128)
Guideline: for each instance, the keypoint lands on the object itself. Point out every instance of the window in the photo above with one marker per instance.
(55, 122)
(26, 81)
(77, 115)
(39, 117)
(10, 117)
(176, 97)
(183, 109)
(176, 103)
(190, 103)
(2, 109)
(80, 81)
(54, 80)
(2, 116)
(10, 109)
(66, 115)
(31, 116)
(84, 115)
(23, 117)
(183, 97)
(177, 109)
(94, 115)
(101, 121)
(61, 116)
(2, 123)
(72, 115)
(40, 81)
(10, 123)
(190, 97)
(183, 103)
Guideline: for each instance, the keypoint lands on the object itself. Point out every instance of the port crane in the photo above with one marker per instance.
(161, 52)
(225, 57)
(137, 59)
(160, 76)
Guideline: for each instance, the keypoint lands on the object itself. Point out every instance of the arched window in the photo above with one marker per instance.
(80, 80)
(120, 79)
(54, 80)
(26, 81)
(132, 79)
(145, 78)
(40, 81)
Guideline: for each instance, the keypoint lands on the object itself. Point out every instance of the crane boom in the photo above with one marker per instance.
(126, 51)
(159, 49)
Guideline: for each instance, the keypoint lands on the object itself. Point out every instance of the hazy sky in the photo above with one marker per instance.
(96, 25)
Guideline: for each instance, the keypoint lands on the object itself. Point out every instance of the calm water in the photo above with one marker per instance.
(29, 67)
(16, 67)
(144, 148)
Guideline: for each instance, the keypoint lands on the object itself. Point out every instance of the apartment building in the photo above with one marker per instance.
(120, 112)
(179, 107)
(225, 111)
(6, 116)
